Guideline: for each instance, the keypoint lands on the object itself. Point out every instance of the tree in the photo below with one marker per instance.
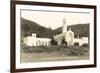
(63, 41)
(53, 42)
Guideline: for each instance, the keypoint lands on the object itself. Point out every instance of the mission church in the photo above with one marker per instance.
(67, 35)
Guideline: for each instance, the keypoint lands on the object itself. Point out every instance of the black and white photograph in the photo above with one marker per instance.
(52, 36)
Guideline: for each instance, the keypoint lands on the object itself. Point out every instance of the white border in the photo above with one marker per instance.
(53, 64)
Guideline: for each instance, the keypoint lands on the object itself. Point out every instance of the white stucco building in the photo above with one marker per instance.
(68, 36)
(34, 41)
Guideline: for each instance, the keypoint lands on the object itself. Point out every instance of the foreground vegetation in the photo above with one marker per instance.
(61, 49)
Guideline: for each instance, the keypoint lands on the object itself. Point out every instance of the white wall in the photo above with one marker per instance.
(5, 37)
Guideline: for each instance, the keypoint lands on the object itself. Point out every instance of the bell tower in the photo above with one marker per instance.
(64, 26)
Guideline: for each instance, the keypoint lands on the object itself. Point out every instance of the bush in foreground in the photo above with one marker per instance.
(61, 49)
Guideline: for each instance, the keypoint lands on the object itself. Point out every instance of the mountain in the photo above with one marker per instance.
(28, 27)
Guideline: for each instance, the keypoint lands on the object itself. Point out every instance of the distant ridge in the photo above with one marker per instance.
(28, 27)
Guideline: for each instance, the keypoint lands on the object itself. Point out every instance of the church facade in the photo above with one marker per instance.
(68, 36)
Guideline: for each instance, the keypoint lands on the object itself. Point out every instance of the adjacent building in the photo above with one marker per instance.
(34, 41)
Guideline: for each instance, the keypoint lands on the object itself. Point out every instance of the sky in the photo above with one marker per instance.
(54, 20)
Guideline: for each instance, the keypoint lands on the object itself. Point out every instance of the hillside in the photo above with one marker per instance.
(28, 27)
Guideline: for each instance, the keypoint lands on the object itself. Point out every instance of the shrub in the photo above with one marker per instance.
(85, 45)
(38, 50)
(53, 42)
(26, 48)
(76, 44)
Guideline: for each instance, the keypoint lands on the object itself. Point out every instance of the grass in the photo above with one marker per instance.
(45, 57)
